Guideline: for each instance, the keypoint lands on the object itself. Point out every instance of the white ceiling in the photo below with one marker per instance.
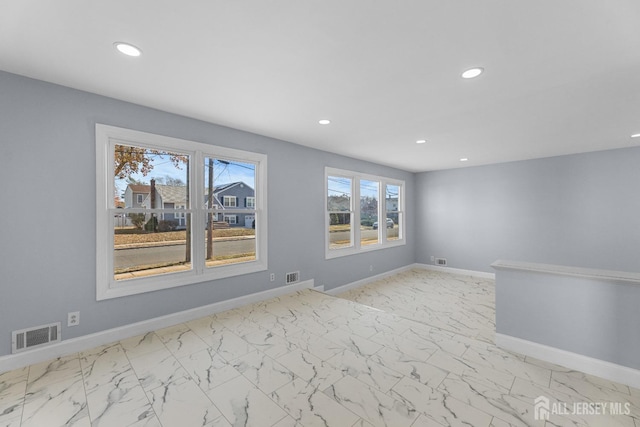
(562, 76)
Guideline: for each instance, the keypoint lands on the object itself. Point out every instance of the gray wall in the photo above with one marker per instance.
(47, 175)
(593, 317)
(578, 210)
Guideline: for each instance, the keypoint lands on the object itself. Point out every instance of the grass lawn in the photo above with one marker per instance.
(124, 236)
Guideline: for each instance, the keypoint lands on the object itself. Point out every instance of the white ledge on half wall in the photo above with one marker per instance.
(564, 270)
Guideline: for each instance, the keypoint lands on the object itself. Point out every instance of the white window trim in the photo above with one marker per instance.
(180, 215)
(140, 198)
(226, 205)
(228, 219)
(106, 286)
(356, 247)
(251, 205)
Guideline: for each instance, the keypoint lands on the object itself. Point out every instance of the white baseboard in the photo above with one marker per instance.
(359, 283)
(480, 274)
(73, 345)
(600, 368)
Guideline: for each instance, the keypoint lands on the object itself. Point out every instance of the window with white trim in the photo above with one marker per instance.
(230, 201)
(250, 202)
(363, 212)
(182, 177)
(180, 215)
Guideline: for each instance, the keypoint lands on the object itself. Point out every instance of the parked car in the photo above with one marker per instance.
(390, 224)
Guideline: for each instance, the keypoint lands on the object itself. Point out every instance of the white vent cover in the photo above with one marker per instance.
(26, 339)
(293, 277)
(441, 261)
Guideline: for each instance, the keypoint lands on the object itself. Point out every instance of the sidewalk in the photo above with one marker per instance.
(176, 242)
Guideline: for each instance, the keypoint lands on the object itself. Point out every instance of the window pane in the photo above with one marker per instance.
(369, 194)
(392, 200)
(150, 235)
(393, 230)
(150, 179)
(150, 247)
(228, 183)
(340, 230)
(230, 195)
(339, 193)
(230, 243)
(392, 195)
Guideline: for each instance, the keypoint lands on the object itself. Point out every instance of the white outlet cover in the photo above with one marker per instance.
(73, 318)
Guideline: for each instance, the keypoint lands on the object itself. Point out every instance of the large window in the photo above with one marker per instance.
(173, 237)
(363, 212)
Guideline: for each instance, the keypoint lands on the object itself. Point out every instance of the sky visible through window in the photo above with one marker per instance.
(165, 171)
(338, 186)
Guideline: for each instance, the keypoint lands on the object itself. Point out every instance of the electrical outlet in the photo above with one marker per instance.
(371, 268)
(272, 277)
(73, 318)
(433, 258)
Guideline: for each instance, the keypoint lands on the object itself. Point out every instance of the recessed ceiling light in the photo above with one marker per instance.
(464, 159)
(421, 141)
(324, 121)
(127, 49)
(472, 72)
(636, 135)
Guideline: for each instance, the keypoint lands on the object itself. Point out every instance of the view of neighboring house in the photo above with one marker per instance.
(233, 196)
(135, 194)
(168, 197)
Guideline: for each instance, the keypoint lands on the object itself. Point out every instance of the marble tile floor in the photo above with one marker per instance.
(412, 350)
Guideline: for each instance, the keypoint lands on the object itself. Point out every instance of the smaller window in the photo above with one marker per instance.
(340, 211)
(250, 202)
(363, 212)
(231, 219)
(180, 215)
(140, 198)
(369, 196)
(394, 214)
(230, 201)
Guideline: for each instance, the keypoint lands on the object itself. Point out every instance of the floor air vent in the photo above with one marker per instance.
(26, 339)
(441, 262)
(293, 277)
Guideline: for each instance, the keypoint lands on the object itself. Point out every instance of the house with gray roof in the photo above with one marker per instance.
(233, 196)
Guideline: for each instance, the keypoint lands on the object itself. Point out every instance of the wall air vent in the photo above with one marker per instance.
(293, 277)
(441, 262)
(27, 339)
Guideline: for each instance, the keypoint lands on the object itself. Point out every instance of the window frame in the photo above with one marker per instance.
(229, 198)
(106, 139)
(180, 215)
(356, 246)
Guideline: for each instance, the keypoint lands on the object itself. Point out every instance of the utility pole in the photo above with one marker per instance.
(210, 213)
(187, 255)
